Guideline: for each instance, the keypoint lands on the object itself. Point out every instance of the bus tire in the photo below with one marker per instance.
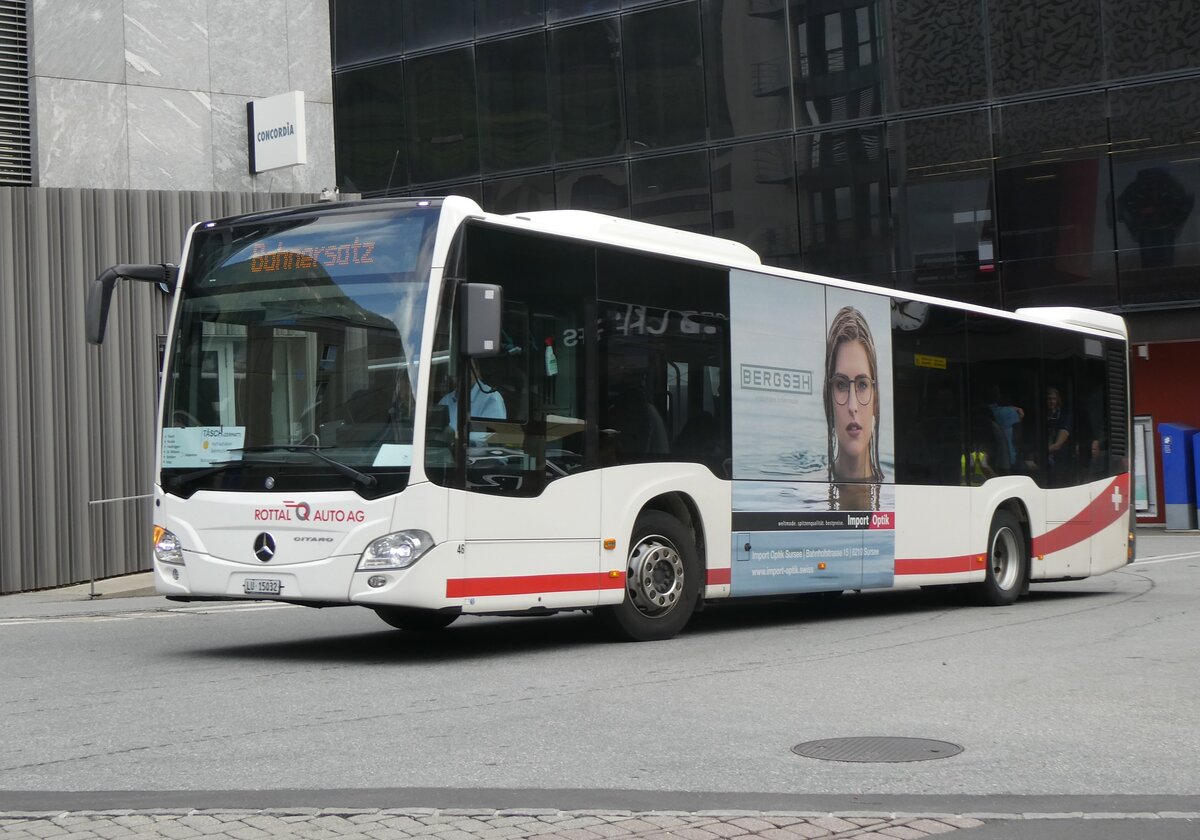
(1007, 562)
(415, 620)
(662, 581)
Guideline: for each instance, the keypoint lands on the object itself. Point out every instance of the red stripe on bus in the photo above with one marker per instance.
(1108, 506)
(530, 584)
(936, 565)
(719, 576)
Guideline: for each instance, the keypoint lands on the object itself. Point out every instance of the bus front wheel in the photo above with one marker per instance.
(662, 581)
(1007, 562)
(414, 620)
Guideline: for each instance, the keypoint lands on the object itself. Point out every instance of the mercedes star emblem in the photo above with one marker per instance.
(264, 547)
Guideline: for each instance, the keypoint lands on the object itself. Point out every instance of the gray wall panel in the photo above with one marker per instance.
(77, 423)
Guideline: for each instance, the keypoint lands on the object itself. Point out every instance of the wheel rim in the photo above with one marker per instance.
(656, 576)
(1005, 559)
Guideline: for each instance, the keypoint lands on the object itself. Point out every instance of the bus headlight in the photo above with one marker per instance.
(166, 547)
(395, 551)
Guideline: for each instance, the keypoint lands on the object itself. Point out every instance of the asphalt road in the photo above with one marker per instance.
(1083, 698)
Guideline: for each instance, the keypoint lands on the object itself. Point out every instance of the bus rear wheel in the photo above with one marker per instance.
(662, 581)
(1007, 562)
(415, 620)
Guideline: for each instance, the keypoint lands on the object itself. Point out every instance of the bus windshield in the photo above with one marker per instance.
(294, 360)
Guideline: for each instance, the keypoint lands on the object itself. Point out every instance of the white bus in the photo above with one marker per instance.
(656, 420)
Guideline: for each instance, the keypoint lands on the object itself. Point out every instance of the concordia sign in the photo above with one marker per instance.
(275, 131)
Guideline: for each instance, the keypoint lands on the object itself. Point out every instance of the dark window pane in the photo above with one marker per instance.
(567, 9)
(837, 60)
(1131, 26)
(1074, 408)
(1037, 45)
(434, 23)
(662, 372)
(1052, 207)
(369, 126)
(495, 16)
(746, 68)
(440, 90)
(664, 350)
(664, 82)
(517, 195)
(514, 126)
(929, 368)
(754, 199)
(937, 52)
(604, 189)
(1004, 409)
(585, 91)
(365, 30)
(673, 191)
(844, 228)
(941, 180)
(1156, 180)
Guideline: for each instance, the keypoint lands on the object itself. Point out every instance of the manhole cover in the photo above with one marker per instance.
(877, 749)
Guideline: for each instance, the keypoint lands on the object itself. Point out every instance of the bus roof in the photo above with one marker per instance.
(1074, 316)
(612, 230)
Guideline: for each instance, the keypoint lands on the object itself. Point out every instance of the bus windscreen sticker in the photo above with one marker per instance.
(201, 446)
(813, 458)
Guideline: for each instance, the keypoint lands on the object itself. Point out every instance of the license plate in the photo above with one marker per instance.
(262, 586)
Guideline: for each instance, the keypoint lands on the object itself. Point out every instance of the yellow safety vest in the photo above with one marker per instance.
(977, 475)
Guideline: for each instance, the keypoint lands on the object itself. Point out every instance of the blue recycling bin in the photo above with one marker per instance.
(1179, 475)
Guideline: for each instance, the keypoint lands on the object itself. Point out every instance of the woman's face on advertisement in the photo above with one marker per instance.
(854, 422)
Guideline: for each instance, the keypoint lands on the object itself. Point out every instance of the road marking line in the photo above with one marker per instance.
(238, 607)
(1165, 558)
(177, 612)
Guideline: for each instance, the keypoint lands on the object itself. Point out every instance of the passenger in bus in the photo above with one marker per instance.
(852, 411)
(1058, 428)
(976, 465)
(1006, 416)
(1097, 459)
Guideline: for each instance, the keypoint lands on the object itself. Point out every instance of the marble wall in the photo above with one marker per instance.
(151, 94)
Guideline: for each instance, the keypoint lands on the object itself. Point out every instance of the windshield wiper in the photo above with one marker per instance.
(345, 469)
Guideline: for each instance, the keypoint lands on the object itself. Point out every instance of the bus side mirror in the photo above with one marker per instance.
(482, 307)
(100, 292)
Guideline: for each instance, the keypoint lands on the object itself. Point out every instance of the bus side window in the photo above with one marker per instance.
(929, 350)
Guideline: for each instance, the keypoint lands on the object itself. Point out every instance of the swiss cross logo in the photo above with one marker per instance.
(1117, 498)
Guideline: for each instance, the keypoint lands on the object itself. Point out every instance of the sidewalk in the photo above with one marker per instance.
(468, 824)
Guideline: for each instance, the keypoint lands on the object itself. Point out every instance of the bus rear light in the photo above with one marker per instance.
(398, 550)
(166, 547)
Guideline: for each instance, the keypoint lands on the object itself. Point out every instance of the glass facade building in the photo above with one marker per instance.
(1005, 152)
